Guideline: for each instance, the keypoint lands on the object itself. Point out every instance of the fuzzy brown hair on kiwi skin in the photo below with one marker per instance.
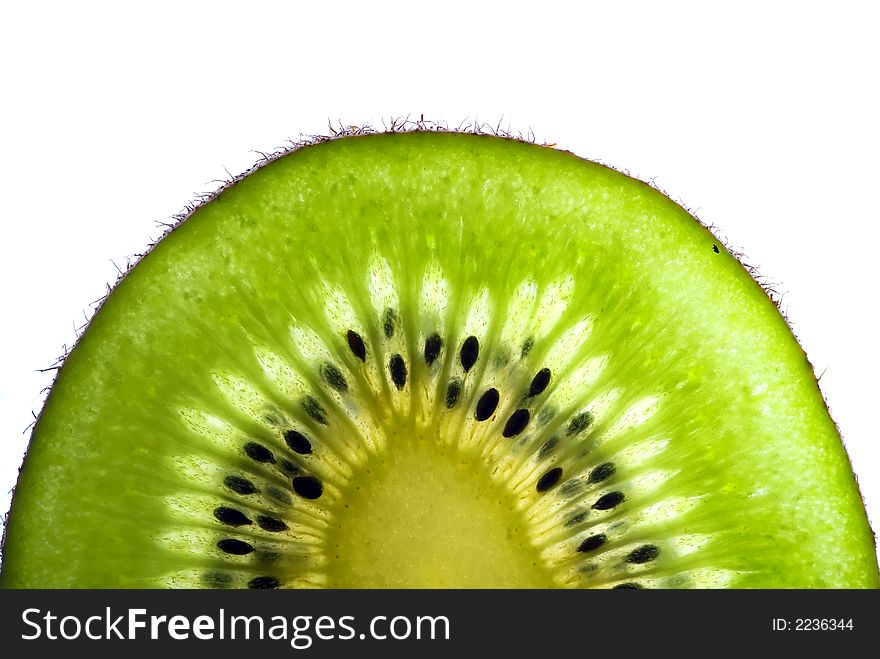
(602, 549)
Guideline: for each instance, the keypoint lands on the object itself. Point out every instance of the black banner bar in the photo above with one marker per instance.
(433, 623)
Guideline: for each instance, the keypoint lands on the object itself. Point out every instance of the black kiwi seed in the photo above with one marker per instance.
(236, 547)
(539, 382)
(231, 516)
(397, 368)
(549, 479)
(308, 487)
(470, 350)
(487, 404)
(258, 452)
(516, 423)
(388, 322)
(608, 501)
(453, 391)
(593, 543)
(579, 423)
(272, 524)
(297, 442)
(432, 348)
(527, 347)
(240, 485)
(628, 586)
(263, 583)
(334, 378)
(313, 408)
(602, 472)
(356, 345)
(643, 554)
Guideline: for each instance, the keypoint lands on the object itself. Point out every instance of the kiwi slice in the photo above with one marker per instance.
(434, 359)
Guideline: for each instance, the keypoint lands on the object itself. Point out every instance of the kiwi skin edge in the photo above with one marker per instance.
(848, 562)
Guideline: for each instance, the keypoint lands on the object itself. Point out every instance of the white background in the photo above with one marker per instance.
(763, 118)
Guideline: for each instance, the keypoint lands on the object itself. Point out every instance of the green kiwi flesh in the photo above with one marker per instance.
(437, 359)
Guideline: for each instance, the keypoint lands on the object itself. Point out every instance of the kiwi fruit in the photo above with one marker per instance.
(437, 359)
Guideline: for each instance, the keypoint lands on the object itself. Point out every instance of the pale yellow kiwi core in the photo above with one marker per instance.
(425, 516)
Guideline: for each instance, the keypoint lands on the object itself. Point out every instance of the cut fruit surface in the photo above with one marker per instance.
(437, 360)
(430, 517)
